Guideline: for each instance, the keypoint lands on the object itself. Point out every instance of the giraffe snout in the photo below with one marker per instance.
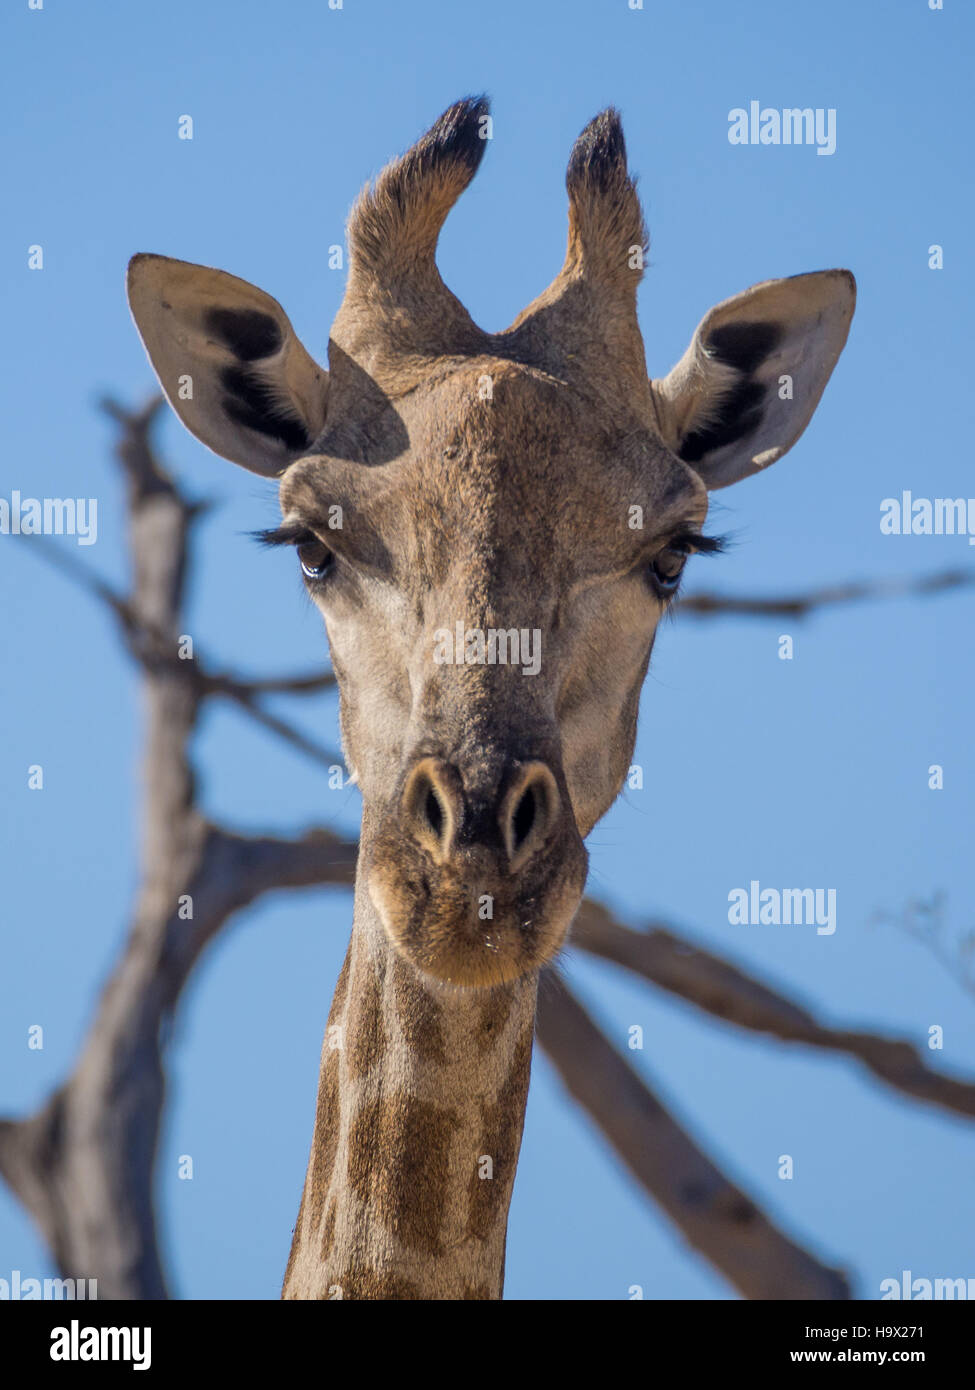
(477, 867)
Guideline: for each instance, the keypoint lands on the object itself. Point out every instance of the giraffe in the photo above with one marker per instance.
(455, 496)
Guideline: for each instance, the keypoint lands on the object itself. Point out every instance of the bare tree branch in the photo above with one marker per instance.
(154, 649)
(284, 685)
(722, 989)
(710, 605)
(924, 919)
(249, 703)
(83, 1165)
(716, 1218)
(94, 1142)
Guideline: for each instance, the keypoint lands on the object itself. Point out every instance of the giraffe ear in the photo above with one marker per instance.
(747, 386)
(229, 362)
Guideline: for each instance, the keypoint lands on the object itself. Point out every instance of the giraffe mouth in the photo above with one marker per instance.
(470, 924)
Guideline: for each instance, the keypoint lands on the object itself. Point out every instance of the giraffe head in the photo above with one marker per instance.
(491, 524)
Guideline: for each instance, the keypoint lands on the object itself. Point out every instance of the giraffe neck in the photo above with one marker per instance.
(421, 1102)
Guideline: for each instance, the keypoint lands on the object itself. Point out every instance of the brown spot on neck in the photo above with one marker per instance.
(500, 1139)
(341, 987)
(328, 1230)
(365, 1033)
(399, 1166)
(419, 1014)
(326, 1138)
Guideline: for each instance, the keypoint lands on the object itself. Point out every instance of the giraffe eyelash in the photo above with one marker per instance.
(292, 533)
(696, 544)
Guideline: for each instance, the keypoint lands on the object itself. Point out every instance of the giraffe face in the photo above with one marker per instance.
(491, 596)
(491, 523)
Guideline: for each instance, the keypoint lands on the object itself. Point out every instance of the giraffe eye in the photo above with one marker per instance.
(666, 570)
(315, 558)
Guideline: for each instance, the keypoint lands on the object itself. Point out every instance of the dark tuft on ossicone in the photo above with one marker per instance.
(606, 227)
(598, 158)
(394, 224)
(457, 137)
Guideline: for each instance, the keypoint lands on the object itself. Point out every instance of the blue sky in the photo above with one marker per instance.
(811, 772)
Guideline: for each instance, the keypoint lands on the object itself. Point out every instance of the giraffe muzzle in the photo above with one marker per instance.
(477, 883)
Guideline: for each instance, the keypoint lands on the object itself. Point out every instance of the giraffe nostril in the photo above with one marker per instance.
(432, 806)
(524, 818)
(529, 813)
(433, 811)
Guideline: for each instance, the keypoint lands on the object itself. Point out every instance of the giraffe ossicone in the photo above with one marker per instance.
(495, 511)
